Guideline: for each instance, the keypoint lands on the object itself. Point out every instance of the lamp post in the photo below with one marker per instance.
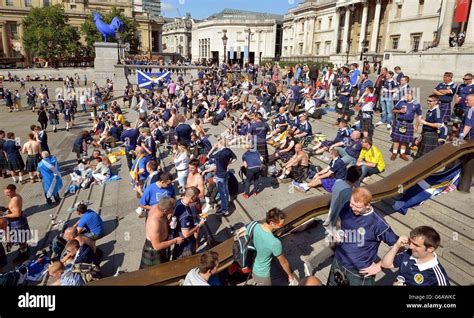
(224, 41)
(248, 44)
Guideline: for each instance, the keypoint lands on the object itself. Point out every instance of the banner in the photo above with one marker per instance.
(462, 11)
(150, 80)
(434, 185)
(246, 53)
(231, 53)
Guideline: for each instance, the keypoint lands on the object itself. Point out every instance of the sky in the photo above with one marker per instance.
(201, 9)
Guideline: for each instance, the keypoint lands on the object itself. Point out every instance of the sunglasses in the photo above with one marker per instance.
(430, 100)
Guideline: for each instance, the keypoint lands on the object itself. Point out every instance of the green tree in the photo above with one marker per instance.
(47, 34)
(92, 35)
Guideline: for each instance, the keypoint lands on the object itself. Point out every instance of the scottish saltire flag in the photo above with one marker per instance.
(150, 80)
(436, 184)
(52, 182)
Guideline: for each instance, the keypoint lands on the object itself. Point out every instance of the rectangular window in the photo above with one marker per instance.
(181, 38)
(318, 46)
(240, 36)
(28, 3)
(330, 22)
(14, 30)
(9, 3)
(395, 40)
(301, 49)
(415, 42)
(319, 24)
(73, 6)
(327, 47)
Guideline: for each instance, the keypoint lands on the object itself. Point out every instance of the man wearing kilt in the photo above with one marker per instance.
(342, 106)
(15, 161)
(445, 92)
(367, 102)
(33, 149)
(433, 121)
(402, 132)
(54, 117)
(3, 158)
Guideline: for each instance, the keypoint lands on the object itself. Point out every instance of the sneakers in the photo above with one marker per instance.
(246, 196)
(300, 186)
(378, 124)
(223, 212)
(389, 126)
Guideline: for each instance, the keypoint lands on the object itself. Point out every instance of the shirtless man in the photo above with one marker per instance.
(299, 161)
(19, 228)
(195, 179)
(33, 148)
(155, 249)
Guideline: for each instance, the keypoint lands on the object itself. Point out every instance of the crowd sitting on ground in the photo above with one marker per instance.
(267, 114)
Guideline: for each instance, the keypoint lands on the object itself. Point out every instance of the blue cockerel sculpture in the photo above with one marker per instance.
(107, 30)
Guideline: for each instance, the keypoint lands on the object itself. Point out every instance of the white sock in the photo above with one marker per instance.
(14, 179)
(21, 178)
(395, 151)
(402, 151)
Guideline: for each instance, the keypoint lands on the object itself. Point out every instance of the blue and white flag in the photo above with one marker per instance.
(436, 184)
(150, 80)
(52, 182)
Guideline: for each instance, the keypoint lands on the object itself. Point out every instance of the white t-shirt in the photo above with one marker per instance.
(143, 106)
(194, 279)
(309, 106)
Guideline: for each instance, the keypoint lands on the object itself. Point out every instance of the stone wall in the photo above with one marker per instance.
(431, 65)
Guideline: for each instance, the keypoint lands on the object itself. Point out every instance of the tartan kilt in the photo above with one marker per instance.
(344, 109)
(3, 162)
(172, 136)
(77, 149)
(16, 164)
(151, 257)
(263, 150)
(327, 143)
(445, 109)
(286, 156)
(429, 142)
(32, 163)
(367, 125)
(54, 121)
(407, 137)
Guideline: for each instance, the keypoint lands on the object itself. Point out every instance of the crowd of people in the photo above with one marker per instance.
(273, 110)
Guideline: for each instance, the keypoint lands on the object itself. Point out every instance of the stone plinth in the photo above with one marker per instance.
(106, 55)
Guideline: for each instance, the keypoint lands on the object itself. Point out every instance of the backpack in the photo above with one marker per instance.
(215, 121)
(88, 271)
(243, 250)
(233, 184)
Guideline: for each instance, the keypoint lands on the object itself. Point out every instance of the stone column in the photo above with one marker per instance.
(5, 40)
(305, 36)
(469, 40)
(257, 53)
(363, 28)
(345, 36)
(447, 22)
(295, 38)
(312, 28)
(336, 31)
(375, 28)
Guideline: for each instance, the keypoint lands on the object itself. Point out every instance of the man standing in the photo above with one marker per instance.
(155, 249)
(258, 132)
(51, 177)
(42, 137)
(445, 92)
(468, 130)
(155, 192)
(33, 149)
(17, 222)
(418, 265)
(15, 161)
(268, 246)
(403, 130)
(148, 144)
(187, 225)
(223, 157)
(129, 138)
(388, 91)
(195, 179)
(253, 165)
(359, 232)
(432, 122)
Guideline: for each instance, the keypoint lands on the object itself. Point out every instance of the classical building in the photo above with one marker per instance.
(13, 11)
(251, 36)
(177, 36)
(340, 30)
